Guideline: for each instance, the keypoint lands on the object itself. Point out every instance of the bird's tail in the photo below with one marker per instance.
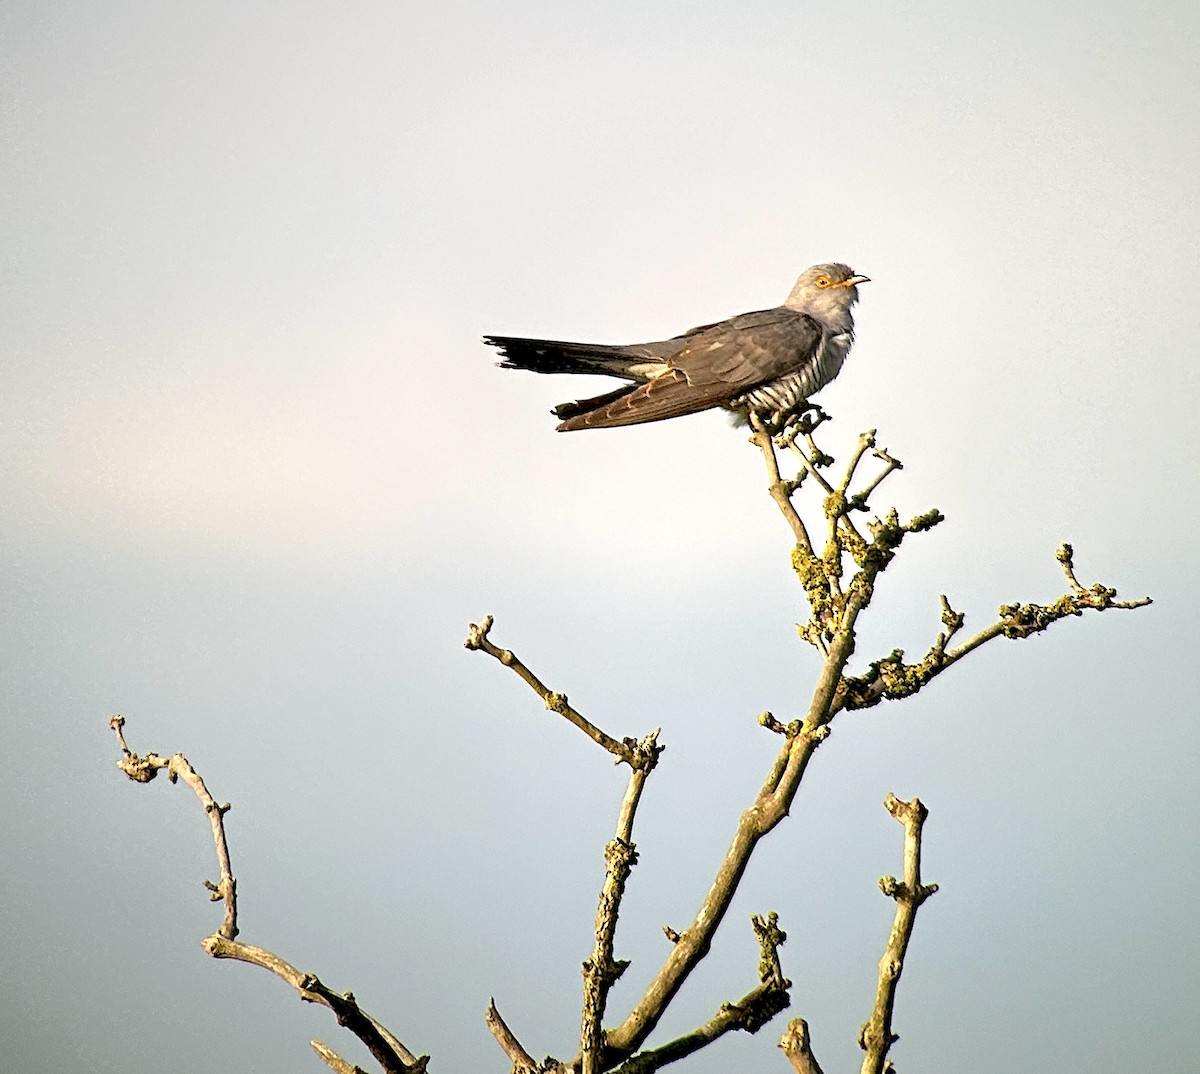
(554, 356)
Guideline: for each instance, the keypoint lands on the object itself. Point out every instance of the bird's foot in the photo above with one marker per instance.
(800, 420)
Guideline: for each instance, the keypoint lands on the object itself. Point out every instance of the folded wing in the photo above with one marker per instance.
(711, 366)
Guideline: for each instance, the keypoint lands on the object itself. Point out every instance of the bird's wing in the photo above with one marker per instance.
(565, 411)
(715, 364)
(666, 396)
(753, 348)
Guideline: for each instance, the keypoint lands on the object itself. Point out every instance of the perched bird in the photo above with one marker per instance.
(765, 363)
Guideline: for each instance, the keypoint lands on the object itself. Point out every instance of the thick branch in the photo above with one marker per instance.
(769, 808)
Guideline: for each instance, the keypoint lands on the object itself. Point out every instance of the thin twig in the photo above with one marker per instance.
(522, 1061)
(866, 441)
(891, 678)
(334, 1061)
(890, 466)
(143, 770)
(624, 750)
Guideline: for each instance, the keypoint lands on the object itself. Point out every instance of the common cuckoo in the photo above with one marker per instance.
(763, 364)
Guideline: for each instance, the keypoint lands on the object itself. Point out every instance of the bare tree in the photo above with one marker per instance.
(838, 571)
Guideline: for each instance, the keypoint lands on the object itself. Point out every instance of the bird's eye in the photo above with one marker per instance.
(822, 281)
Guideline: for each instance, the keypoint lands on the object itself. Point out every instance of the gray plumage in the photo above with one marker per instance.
(766, 363)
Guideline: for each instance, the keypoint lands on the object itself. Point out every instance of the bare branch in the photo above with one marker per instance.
(387, 1050)
(834, 611)
(866, 441)
(749, 1014)
(797, 1046)
(769, 808)
(876, 1036)
(522, 1061)
(780, 490)
(601, 971)
(143, 770)
(626, 750)
(334, 1061)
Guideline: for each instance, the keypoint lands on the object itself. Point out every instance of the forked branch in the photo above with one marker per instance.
(876, 1036)
(601, 970)
(891, 678)
(748, 1014)
(835, 610)
(389, 1052)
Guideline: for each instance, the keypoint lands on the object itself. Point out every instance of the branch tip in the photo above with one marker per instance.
(477, 633)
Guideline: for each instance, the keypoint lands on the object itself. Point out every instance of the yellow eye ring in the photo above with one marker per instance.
(822, 281)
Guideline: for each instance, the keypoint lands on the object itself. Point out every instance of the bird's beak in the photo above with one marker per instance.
(854, 281)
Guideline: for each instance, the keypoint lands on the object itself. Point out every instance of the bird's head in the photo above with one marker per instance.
(826, 291)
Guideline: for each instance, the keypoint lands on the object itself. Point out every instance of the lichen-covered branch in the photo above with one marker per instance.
(891, 678)
(820, 575)
(391, 1055)
(771, 805)
(601, 971)
(839, 582)
(876, 1036)
(748, 1014)
(835, 609)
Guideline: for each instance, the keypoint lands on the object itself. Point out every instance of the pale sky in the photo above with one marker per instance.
(259, 474)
